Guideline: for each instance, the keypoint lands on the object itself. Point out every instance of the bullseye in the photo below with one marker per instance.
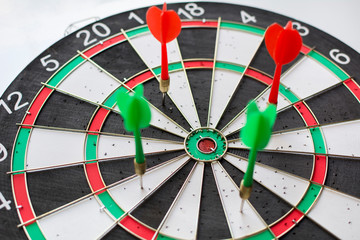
(206, 145)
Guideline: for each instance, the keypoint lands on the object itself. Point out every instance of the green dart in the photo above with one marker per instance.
(256, 135)
(136, 113)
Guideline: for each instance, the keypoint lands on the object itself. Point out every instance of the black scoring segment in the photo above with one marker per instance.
(64, 111)
(120, 55)
(197, 43)
(153, 210)
(338, 168)
(200, 82)
(288, 118)
(307, 229)
(298, 164)
(335, 105)
(212, 220)
(54, 188)
(119, 233)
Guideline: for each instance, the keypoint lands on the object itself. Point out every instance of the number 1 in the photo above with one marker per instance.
(5, 106)
(132, 15)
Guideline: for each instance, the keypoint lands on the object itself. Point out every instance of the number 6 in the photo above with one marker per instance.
(341, 58)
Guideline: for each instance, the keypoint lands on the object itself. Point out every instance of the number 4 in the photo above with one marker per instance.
(245, 17)
(5, 203)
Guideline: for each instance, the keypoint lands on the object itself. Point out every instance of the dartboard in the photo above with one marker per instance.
(67, 162)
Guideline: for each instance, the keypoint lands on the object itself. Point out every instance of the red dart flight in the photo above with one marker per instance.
(283, 45)
(165, 26)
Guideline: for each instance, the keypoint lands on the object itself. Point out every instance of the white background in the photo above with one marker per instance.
(29, 27)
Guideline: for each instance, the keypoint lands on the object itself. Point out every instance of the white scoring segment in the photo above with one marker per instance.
(343, 138)
(286, 186)
(308, 77)
(89, 82)
(179, 90)
(338, 213)
(240, 224)
(236, 46)
(182, 219)
(54, 148)
(82, 220)
(129, 193)
(180, 93)
(161, 121)
(262, 102)
(224, 85)
(305, 79)
(293, 141)
(121, 146)
(149, 49)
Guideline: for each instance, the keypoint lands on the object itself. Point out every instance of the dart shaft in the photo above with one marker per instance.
(248, 177)
(164, 63)
(275, 85)
(139, 157)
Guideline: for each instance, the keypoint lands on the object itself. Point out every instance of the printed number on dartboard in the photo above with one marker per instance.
(3, 202)
(99, 29)
(18, 102)
(191, 10)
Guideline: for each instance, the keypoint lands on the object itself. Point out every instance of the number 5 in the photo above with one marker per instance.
(44, 61)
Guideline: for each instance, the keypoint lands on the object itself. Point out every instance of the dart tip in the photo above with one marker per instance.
(163, 99)
(241, 205)
(141, 182)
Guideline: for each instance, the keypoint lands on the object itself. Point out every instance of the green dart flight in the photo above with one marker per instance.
(256, 135)
(135, 111)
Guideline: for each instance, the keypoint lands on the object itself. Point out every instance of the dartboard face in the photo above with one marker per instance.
(67, 163)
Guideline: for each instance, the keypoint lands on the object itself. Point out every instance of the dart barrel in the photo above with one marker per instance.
(139, 167)
(245, 192)
(164, 85)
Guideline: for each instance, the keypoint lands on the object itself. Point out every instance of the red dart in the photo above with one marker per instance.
(165, 26)
(283, 45)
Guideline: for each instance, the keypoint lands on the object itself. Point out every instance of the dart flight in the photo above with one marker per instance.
(283, 45)
(256, 135)
(135, 111)
(165, 26)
